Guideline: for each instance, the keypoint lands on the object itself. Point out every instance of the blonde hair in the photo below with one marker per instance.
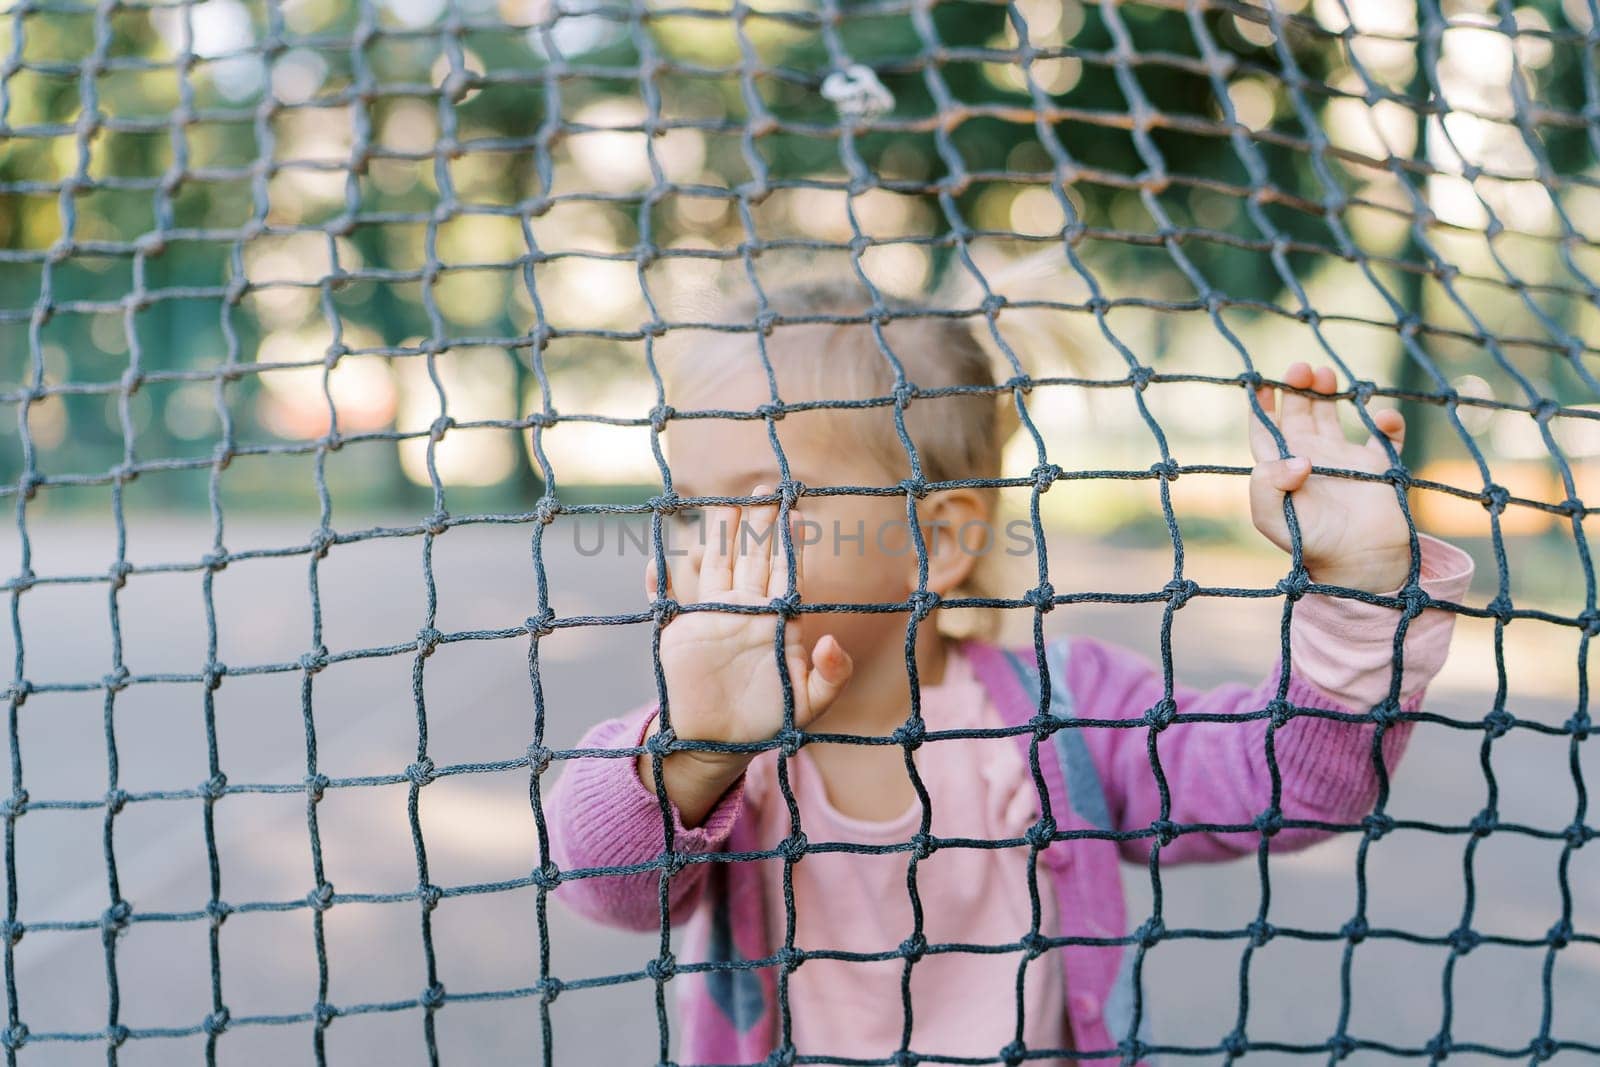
(957, 436)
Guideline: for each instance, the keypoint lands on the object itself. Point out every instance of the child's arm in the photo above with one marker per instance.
(1352, 533)
(601, 814)
(1341, 653)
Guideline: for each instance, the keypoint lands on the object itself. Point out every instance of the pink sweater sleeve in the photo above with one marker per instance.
(1215, 771)
(1345, 647)
(601, 815)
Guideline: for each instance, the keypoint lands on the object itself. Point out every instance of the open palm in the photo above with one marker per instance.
(1352, 531)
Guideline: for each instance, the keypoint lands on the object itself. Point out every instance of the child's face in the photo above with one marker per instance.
(858, 548)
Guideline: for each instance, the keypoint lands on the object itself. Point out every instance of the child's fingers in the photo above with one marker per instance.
(831, 667)
(752, 551)
(1296, 413)
(778, 581)
(650, 581)
(1325, 413)
(1262, 446)
(716, 566)
(1393, 426)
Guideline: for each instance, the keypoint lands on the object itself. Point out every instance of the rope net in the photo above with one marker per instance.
(250, 237)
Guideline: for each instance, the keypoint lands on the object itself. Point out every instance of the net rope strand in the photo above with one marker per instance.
(863, 93)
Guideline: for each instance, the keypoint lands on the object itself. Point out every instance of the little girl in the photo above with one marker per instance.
(935, 947)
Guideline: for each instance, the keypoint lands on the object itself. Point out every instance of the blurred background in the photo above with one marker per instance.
(253, 252)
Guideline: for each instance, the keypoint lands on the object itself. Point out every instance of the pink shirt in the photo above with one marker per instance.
(981, 789)
(964, 1003)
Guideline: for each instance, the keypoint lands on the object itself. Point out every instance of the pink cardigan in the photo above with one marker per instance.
(1103, 800)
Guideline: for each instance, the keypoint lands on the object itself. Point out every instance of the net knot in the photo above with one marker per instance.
(432, 997)
(922, 602)
(1167, 470)
(1543, 1048)
(662, 968)
(213, 675)
(1013, 1054)
(1035, 944)
(439, 427)
(117, 1035)
(793, 848)
(664, 610)
(429, 896)
(539, 758)
(1497, 722)
(1269, 822)
(1165, 830)
(116, 800)
(11, 932)
(1377, 825)
(1235, 1044)
(1578, 835)
(14, 1037)
(549, 989)
(857, 92)
(1355, 931)
(1140, 377)
(324, 1013)
(790, 958)
(660, 743)
(1261, 932)
(117, 680)
(1342, 1046)
(1579, 726)
(1500, 607)
(541, 625)
(1385, 714)
(315, 660)
(119, 572)
(660, 415)
(789, 741)
(14, 805)
(116, 917)
(1042, 832)
(1281, 712)
(1484, 823)
(1041, 597)
(320, 541)
(772, 411)
(1560, 934)
(1589, 622)
(427, 640)
(546, 876)
(216, 1022)
(1159, 715)
(321, 898)
(1180, 591)
(1495, 497)
(1544, 410)
(1409, 324)
(316, 785)
(437, 523)
(1416, 600)
(1364, 390)
(546, 510)
(1294, 584)
(922, 845)
(217, 911)
(910, 734)
(1464, 939)
(421, 772)
(782, 1056)
(787, 605)
(18, 691)
(914, 947)
(1150, 932)
(1398, 477)
(1044, 476)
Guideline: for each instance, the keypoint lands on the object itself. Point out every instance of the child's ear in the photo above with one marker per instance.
(956, 532)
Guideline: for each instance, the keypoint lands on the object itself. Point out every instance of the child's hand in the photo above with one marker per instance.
(1352, 533)
(720, 668)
